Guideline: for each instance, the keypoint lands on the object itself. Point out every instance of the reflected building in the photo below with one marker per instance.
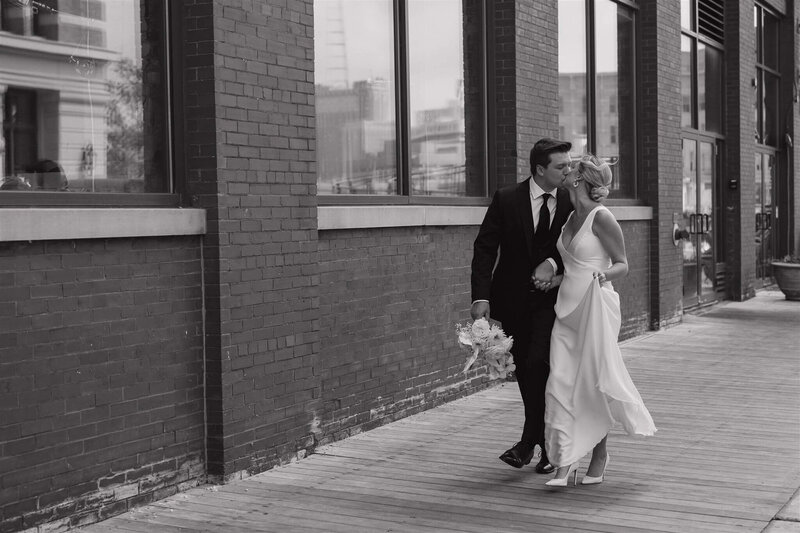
(57, 63)
(438, 150)
(573, 111)
(356, 138)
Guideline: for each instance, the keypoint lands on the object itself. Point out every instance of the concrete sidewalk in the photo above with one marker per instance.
(723, 388)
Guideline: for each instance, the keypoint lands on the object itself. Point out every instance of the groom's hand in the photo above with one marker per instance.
(544, 272)
(543, 276)
(479, 309)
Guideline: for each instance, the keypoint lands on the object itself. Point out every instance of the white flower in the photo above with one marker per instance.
(488, 342)
(481, 328)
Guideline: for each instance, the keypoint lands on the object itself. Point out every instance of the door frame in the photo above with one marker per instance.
(717, 276)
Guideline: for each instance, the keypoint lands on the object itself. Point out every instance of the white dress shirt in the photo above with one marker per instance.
(536, 206)
(536, 203)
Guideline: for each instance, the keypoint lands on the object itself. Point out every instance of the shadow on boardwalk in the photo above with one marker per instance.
(723, 388)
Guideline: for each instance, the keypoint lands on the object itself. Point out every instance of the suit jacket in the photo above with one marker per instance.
(507, 230)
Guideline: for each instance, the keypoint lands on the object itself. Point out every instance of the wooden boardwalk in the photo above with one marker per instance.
(723, 388)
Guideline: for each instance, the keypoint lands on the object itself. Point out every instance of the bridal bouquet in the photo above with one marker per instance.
(489, 341)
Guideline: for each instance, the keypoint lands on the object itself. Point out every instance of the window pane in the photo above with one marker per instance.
(615, 131)
(687, 73)
(709, 88)
(758, 27)
(77, 115)
(572, 117)
(771, 40)
(687, 14)
(437, 144)
(355, 97)
(758, 118)
(770, 110)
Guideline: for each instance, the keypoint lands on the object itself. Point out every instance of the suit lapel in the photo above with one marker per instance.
(525, 212)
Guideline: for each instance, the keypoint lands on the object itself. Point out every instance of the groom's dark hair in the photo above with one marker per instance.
(540, 153)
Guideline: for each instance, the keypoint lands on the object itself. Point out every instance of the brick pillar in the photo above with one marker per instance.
(793, 170)
(739, 226)
(197, 129)
(525, 82)
(788, 191)
(252, 165)
(661, 161)
(3, 89)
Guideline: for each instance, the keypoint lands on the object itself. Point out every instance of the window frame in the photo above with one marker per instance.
(172, 143)
(404, 194)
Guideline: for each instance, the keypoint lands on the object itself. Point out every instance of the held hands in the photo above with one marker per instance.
(554, 282)
(544, 277)
(479, 309)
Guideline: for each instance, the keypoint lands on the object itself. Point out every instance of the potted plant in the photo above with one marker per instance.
(787, 275)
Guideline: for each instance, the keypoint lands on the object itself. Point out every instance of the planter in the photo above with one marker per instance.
(787, 275)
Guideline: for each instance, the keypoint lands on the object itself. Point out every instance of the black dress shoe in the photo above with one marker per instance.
(544, 466)
(518, 455)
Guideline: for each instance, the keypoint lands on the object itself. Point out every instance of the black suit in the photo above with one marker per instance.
(525, 313)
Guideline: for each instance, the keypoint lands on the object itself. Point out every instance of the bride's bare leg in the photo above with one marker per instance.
(598, 462)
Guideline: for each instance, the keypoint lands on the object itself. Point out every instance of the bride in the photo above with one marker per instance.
(589, 387)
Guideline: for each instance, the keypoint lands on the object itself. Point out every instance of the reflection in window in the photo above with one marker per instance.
(687, 73)
(614, 78)
(364, 146)
(436, 97)
(687, 14)
(77, 115)
(611, 133)
(767, 77)
(702, 87)
(709, 88)
(572, 79)
(355, 97)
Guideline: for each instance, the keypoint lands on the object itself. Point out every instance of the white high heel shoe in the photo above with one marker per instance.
(589, 480)
(564, 481)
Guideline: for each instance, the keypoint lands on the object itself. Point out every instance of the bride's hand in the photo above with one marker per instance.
(600, 277)
(555, 281)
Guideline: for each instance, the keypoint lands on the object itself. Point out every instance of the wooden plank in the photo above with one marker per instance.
(723, 388)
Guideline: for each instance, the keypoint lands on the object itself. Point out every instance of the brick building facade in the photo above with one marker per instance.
(145, 349)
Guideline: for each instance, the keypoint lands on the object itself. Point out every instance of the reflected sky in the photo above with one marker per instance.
(370, 21)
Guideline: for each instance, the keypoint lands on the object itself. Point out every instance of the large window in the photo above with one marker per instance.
(399, 97)
(702, 86)
(83, 98)
(767, 78)
(597, 81)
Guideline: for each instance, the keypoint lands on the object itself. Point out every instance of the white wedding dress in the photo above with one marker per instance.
(589, 388)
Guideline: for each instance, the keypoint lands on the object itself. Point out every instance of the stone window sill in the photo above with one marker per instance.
(37, 224)
(390, 216)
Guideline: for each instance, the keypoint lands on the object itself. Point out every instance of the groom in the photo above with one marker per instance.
(522, 225)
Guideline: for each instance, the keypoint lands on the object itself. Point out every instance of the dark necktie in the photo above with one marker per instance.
(544, 220)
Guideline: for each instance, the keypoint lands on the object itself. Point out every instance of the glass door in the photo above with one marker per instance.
(699, 261)
(764, 216)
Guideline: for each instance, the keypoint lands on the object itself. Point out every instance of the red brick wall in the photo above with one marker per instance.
(389, 302)
(794, 169)
(101, 376)
(634, 289)
(739, 227)
(524, 98)
(660, 184)
(259, 183)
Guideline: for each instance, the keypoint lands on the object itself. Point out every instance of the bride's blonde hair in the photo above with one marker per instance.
(597, 175)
